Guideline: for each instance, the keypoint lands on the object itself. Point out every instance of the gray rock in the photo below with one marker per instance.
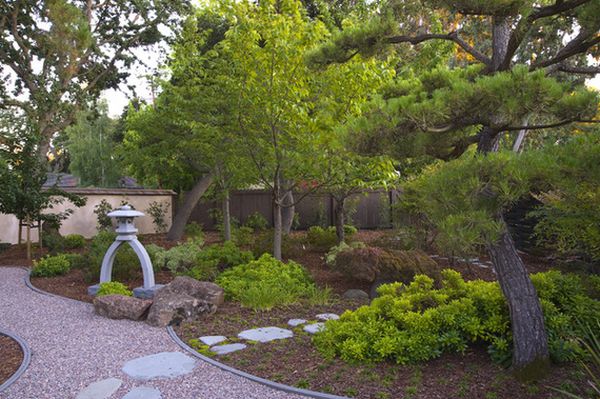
(143, 393)
(203, 290)
(355, 294)
(314, 328)
(171, 307)
(160, 365)
(265, 334)
(295, 322)
(211, 340)
(327, 316)
(121, 307)
(100, 389)
(225, 349)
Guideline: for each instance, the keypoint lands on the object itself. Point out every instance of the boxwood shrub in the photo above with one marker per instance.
(50, 266)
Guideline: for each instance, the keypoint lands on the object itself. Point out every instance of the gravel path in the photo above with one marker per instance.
(72, 348)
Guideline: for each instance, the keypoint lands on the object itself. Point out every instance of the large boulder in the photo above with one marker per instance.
(371, 263)
(121, 307)
(203, 290)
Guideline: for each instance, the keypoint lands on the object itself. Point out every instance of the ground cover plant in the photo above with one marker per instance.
(50, 266)
(113, 288)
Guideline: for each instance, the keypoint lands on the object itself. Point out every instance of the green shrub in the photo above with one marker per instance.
(226, 255)
(324, 238)
(114, 288)
(266, 283)
(74, 241)
(126, 266)
(77, 261)
(417, 322)
(54, 242)
(194, 230)
(331, 256)
(256, 221)
(50, 266)
(4, 246)
(155, 253)
(182, 257)
(243, 236)
(263, 244)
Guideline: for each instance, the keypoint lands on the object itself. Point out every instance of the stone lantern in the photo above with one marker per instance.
(127, 233)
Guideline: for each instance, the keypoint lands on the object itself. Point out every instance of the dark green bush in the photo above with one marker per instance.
(333, 252)
(4, 246)
(194, 230)
(114, 288)
(155, 253)
(77, 261)
(417, 322)
(54, 242)
(226, 255)
(50, 266)
(243, 236)
(325, 238)
(263, 244)
(181, 258)
(126, 266)
(256, 221)
(266, 283)
(72, 241)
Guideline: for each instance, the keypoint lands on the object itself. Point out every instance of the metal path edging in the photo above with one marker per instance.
(24, 364)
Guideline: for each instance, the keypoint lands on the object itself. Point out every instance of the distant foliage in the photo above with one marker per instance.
(266, 283)
(256, 221)
(243, 236)
(101, 211)
(417, 322)
(158, 211)
(77, 261)
(50, 266)
(114, 288)
(73, 241)
(194, 230)
(324, 238)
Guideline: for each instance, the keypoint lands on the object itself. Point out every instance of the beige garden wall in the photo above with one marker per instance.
(83, 220)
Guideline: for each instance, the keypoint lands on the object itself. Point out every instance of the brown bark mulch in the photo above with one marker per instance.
(11, 357)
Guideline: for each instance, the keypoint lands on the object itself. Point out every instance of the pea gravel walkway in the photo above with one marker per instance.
(72, 348)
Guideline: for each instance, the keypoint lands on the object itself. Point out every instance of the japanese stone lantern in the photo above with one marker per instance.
(127, 233)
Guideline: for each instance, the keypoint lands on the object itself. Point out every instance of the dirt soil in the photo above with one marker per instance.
(11, 357)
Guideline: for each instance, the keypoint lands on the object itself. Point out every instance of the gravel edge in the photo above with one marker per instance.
(24, 364)
(269, 383)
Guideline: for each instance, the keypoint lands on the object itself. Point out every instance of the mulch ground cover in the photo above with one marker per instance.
(296, 361)
(11, 357)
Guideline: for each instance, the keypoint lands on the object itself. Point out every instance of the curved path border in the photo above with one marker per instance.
(271, 384)
(24, 364)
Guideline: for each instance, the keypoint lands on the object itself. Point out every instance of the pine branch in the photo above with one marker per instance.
(580, 44)
(589, 70)
(551, 125)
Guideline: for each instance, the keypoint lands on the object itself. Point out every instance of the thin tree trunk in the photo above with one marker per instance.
(488, 140)
(226, 217)
(28, 239)
(521, 136)
(339, 219)
(189, 203)
(287, 212)
(277, 231)
(530, 342)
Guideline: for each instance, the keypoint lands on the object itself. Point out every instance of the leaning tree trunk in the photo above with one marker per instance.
(530, 342)
(339, 219)
(226, 217)
(287, 212)
(189, 203)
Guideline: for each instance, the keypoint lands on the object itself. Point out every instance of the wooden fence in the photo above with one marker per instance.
(369, 210)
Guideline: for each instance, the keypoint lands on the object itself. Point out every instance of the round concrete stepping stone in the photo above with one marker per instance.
(160, 365)
(211, 340)
(314, 328)
(327, 316)
(100, 389)
(296, 322)
(265, 334)
(143, 393)
(225, 349)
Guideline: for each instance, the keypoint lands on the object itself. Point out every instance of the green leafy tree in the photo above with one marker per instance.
(58, 54)
(91, 146)
(519, 72)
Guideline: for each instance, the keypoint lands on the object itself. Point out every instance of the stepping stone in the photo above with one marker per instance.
(211, 340)
(314, 328)
(143, 393)
(327, 316)
(295, 322)
(355, 294)
(265, 334)
(100, 389)
(160, 365)
(225, 349)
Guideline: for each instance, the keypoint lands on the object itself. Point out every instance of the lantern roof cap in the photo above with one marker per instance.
(125, 212)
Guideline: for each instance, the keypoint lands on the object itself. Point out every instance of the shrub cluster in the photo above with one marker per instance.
(113, 288)
(417, 322)
(256, 221)
(266, 283)
(50, 266)
(72, 241)
(324, 238)
(332, 254)
(193, 230)
(182, 257)
(126, 265)
(263, 244)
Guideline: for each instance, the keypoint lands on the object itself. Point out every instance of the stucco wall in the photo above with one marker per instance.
(83, 220)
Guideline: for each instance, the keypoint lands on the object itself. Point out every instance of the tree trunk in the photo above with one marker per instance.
(530, 343)
(189, 203)
(28, 238)
(488, 140)
(226, 217)
(521, 136)
(287, 212)
(277, 231)
(339, 219)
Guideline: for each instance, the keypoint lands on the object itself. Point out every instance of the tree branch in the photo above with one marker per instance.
(583, 41)
(589, 70)
(551, 125)
(452, 36)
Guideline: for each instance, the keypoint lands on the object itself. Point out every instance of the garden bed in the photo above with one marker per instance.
(11, 357)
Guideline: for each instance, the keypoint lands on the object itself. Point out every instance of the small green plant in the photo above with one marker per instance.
(114, 288)
(77, 261)
(181, 258)
(194, 230)
(72, 241)
(101, 211)
(266, 283)
(256, 221)
(320, 237)
(243, 236)
(158, 212)
(50, 266)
